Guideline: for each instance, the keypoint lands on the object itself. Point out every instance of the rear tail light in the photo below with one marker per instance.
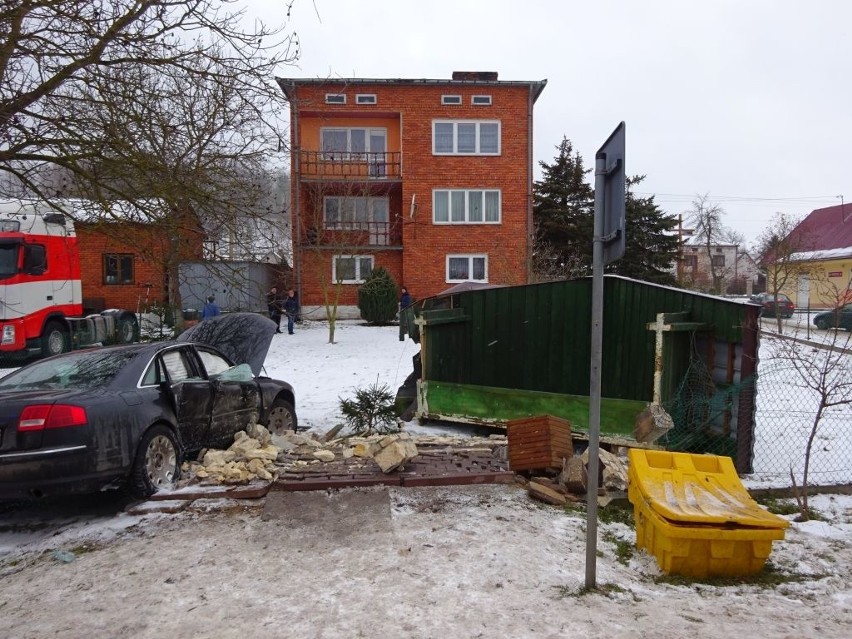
(43, 416)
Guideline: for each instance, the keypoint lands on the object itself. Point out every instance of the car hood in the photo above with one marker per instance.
(243, 337)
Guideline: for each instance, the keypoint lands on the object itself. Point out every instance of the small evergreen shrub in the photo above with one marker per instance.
(371, 411)
(377, 297)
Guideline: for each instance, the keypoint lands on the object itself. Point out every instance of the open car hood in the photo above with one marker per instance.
(243, 337)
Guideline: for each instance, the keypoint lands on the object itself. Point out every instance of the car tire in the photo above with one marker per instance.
(128, 330)
(822, 324)
(55, 339)
(281, 417)
(157, 462)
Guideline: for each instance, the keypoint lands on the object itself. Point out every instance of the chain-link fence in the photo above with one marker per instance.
(803, 420)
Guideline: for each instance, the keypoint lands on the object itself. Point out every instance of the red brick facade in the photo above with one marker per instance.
(416, 248)
(147, 244)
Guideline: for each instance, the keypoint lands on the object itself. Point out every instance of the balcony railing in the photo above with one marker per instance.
(350, 166)
(355, 234)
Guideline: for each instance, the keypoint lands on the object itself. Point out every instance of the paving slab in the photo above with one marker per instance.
(329, 516)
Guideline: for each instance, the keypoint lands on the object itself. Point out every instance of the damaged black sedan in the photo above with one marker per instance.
(100, 418)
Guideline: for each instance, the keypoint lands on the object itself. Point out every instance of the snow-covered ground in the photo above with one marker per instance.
(480, 561)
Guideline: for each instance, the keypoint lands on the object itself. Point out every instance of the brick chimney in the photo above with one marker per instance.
(481, 76)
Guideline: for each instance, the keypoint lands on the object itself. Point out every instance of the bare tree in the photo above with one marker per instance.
(165, 105)
(343, 226)
(777, 247)
(826, 372)
(710, 232)
(53, 53)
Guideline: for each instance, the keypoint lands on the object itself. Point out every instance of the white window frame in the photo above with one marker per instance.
(478, 137)
(366, 98)
(467, 194)
(335, 98)
(349, 154)
(480, 100)
(470, 257)
(360, 277)
(451, 100)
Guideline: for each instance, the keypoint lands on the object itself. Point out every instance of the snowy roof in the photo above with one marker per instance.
(825, 229)
(827, 254)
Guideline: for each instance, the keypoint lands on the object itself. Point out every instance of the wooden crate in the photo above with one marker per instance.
(538, 443)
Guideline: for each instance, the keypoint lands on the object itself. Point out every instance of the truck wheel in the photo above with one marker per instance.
(54, 339)
(128, 330)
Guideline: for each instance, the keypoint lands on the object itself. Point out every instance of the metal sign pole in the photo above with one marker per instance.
(608, 245)
(595, 375)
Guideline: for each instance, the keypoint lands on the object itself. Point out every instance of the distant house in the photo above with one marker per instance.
(429, 178)
(699, 266)
(824, 250)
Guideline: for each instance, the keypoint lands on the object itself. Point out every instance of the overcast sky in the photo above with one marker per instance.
(747, 101)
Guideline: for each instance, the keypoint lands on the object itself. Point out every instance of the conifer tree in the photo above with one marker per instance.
(564, 225)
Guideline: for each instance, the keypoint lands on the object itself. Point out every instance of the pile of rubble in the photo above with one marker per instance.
(257, 454)
(570, 485)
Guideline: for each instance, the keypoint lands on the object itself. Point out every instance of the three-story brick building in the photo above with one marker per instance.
(431, 179)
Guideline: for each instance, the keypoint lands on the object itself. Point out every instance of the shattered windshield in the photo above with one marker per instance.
(85, 369)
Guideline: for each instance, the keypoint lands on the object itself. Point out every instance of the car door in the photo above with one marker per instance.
(192, 393)
(235, 397)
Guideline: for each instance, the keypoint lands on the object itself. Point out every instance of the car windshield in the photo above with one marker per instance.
(84, 369)
(8, 260)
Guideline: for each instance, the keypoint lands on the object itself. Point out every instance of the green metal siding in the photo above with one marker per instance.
(537, 337)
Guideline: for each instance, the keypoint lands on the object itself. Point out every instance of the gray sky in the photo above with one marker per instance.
(747, 101)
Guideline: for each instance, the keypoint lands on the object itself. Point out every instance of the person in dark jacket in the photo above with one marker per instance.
(273, 303)
(211, 308)
(405, 299)
(291, 309)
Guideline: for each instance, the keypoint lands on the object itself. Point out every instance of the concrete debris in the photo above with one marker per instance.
(573, 475)
(546, 494)
(325, 455)
(613, 470)
(651, 424)
(394, 451)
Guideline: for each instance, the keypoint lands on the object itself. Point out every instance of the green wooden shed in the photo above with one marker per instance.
(495, 354)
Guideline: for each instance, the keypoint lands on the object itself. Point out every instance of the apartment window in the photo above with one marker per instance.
(690, 261)
(351, 269)
(718, 260)
(335, 98)
(451, 99)
(355, 213)
(481, 100)
(465, 137)
(118, 268)
(366, 98)
(464, 268)
(345, 143)
(473, 206)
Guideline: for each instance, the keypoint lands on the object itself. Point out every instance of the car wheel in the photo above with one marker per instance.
(822, 324)
(157, 463)
(281, 417)
(54, 340)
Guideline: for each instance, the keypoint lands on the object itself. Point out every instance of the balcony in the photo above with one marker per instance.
(344, 165)
(354, 234)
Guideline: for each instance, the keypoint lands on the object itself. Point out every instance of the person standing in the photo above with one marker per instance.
(291, 309)
(211, 308)
(273, 303)
(405, 299)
